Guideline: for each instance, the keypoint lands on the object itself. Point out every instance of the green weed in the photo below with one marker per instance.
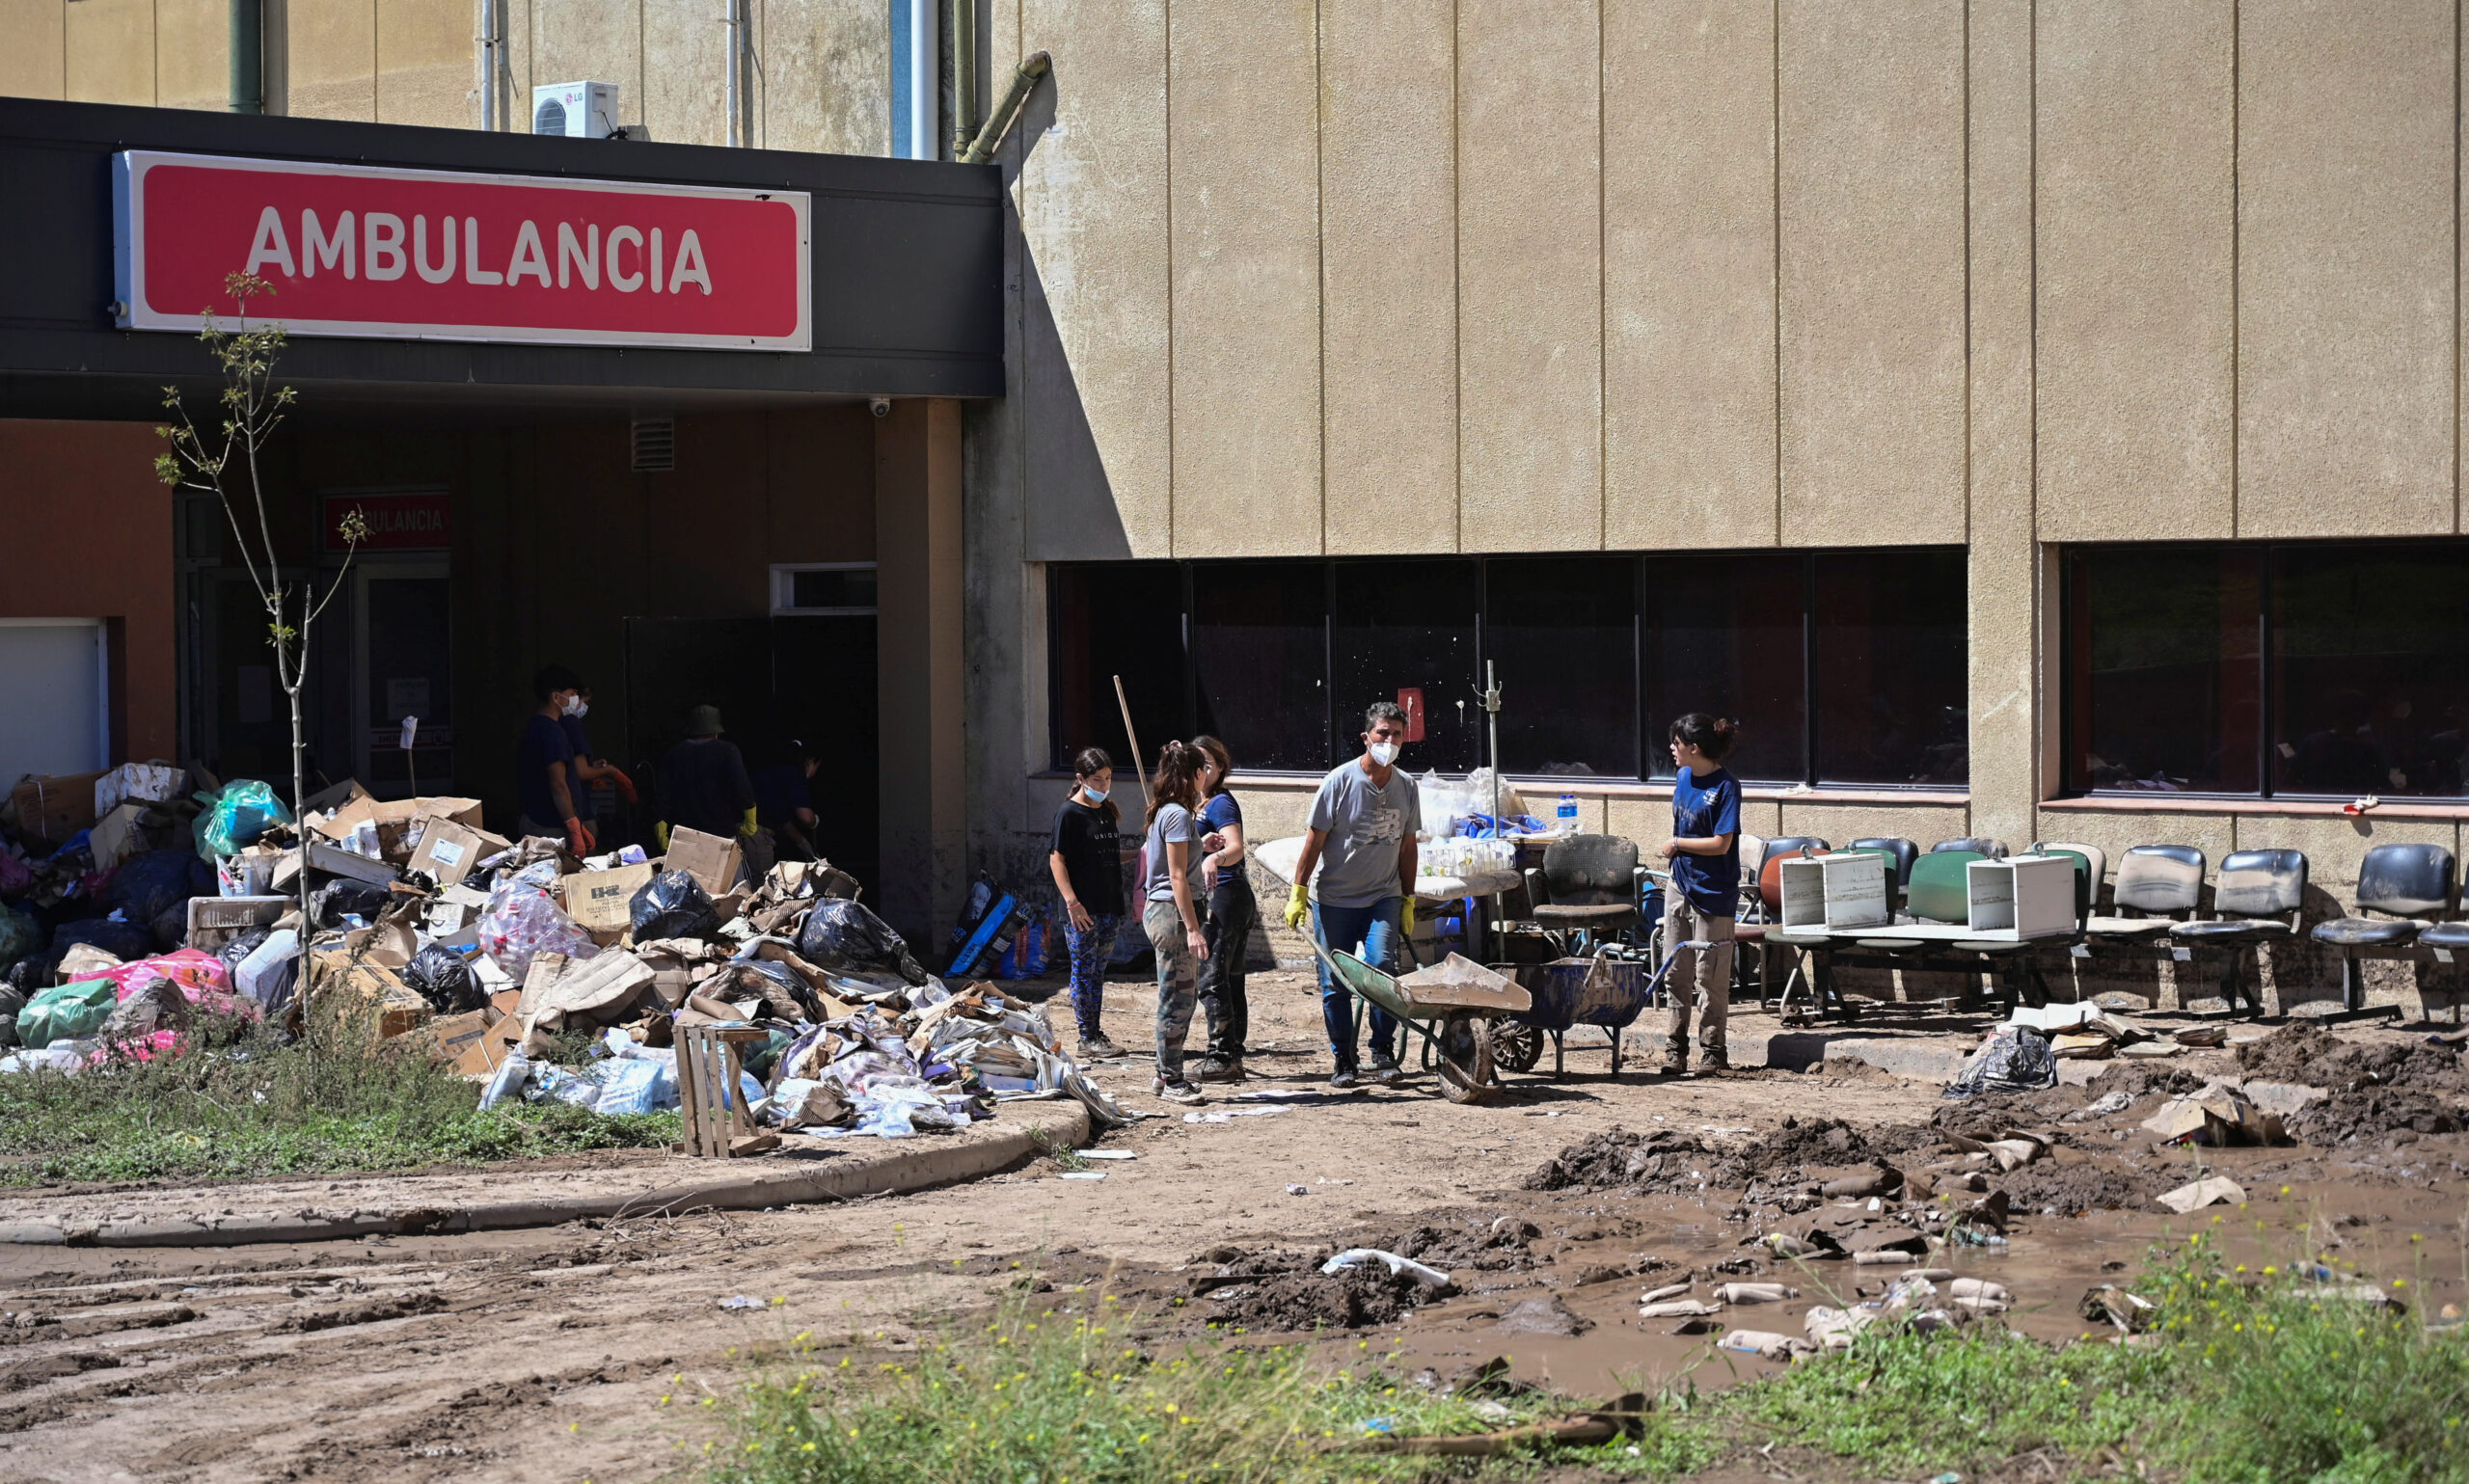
(238, 1100)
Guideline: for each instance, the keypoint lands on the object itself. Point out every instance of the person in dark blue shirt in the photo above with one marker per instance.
(596, 783)
(1704, 852)
(544, 780)
(784, 802)
(1232, 911)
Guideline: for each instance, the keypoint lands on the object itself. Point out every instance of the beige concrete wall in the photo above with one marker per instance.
(2346, 267)
(2137, 241)
(1244, 200)
(1870, 197)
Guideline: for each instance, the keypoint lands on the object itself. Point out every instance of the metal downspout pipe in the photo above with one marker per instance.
(999, 122)
(964, 75)
(248, 56)
(737, 90)
(492, 62)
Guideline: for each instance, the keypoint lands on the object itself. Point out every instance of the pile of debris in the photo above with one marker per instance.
(537, 974)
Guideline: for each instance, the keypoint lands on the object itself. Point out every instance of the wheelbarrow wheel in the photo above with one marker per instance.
(1466, 1061)
(1515, 1045)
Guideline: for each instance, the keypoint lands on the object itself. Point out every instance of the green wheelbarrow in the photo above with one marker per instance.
(1453, 1007)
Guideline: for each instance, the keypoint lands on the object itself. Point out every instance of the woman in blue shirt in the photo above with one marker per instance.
(1704, 852)
(1232, 911)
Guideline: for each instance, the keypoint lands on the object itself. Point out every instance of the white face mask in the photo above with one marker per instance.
(579, 710)
(572, 706)
(1095, 796)
(1383, 753)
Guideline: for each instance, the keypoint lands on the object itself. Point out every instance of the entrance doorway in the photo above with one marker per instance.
(403, 668)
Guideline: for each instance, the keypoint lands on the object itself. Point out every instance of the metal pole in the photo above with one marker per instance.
(1492, 715)
(964, 75)
(737, 65)
(490, 40)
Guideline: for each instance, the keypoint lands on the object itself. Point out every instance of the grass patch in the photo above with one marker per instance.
(238, 1100)
(2246, 1376)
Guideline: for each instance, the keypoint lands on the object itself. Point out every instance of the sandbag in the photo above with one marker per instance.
(65, 1010)
(840, 934)
(236, 817)
(440, 976)
(672, 905)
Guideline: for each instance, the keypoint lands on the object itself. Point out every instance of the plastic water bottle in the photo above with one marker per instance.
(1568, 814)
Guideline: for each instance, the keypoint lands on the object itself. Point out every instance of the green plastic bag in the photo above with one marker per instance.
(65, 1010)
(236, 817)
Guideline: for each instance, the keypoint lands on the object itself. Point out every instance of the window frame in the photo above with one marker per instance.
(2075, 640)
(1649, 731)
(784, 590)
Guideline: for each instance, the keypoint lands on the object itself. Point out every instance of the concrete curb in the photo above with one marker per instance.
(912, 1167)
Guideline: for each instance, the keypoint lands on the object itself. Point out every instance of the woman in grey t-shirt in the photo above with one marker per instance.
(1172, 917)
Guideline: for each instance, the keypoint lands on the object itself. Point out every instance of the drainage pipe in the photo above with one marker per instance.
(492, 52)
(736, 74)
(964, 75)
(999, 122)
(248, 56)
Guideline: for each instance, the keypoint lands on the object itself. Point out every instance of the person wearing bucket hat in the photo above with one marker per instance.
(703, 784)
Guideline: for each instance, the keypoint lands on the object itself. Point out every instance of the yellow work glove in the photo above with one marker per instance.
(746, 826)
(1406, 918)
(1298, 906)
(660, 832)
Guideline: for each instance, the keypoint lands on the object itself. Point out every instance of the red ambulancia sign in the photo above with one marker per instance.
(436, 255)
(417, 521)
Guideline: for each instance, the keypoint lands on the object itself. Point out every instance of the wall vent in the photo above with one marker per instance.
(655, 443)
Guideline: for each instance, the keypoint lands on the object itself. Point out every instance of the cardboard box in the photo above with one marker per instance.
(447, 852)
(602, 900)
(390, 1007)
(51, 807)
(711, 860)
(458, 1035)
(327, 799)
(118, 835)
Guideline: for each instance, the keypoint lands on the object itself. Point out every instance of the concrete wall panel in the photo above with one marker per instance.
(332, 59)
(426, 71)
(1388, 275)
(1098, 471)
(1870, 145)
(1689, 275)
(193, 53)
(685, 70)
(33, 63)
(826, 71)
(1531, 275)
(111, 52)
(2346, 268)
(2137, 238)
(1245, 249)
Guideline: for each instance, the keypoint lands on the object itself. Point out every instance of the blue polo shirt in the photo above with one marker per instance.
(1702, 808)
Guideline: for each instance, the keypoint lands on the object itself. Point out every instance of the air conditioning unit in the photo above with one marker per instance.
(578, 110)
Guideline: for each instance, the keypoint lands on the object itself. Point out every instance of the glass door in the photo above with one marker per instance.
(403, 643)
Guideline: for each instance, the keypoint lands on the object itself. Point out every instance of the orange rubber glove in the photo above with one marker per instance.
(624, 784)
(579, 838)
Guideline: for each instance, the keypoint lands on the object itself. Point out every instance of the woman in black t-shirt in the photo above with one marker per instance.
(1087, 862)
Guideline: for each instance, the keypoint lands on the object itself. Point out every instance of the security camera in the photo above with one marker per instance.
(880, 406)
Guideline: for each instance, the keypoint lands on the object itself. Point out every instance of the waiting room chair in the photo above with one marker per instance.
(2156, 884)
(2407, 882)
(1588, 883)
(1980, 844)
(1762, 906)
(2258, 899)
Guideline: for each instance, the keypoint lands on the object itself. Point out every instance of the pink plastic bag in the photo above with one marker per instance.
(521, 922)
(198, 974)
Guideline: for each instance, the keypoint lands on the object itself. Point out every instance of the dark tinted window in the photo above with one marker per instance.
(1722, 634)
(2370, 672)
(1260, 657)
(2165, 687)
(1890, 668)
(1122, 619)
(1404, 632)
(1561, 634)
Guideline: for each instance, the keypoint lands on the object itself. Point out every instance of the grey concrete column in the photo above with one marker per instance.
(919, 682)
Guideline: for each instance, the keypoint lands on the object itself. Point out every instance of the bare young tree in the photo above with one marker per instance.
(223, 463)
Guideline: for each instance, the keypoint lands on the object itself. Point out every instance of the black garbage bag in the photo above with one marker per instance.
(841, 934)
(2015, 1058)
(240, 948)
(342, 896)
(147, 885)
(444, 978)
(672, 905)
(125, 941)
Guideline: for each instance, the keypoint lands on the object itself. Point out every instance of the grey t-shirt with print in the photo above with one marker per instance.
(1364, 825)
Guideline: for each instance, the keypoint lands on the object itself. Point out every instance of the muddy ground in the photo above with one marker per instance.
(583, 1352)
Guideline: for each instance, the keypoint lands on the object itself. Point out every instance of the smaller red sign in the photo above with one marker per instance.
(419, 522)
(1410, 700)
